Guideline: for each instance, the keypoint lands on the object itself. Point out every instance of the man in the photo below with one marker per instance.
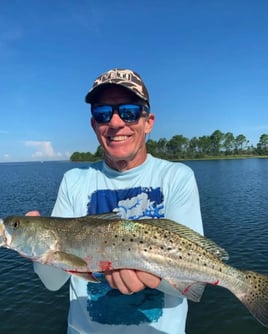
(135, 185)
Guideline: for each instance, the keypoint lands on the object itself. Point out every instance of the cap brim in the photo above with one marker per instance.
(94, 91)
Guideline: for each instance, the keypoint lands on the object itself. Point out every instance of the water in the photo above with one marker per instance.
(234, 202)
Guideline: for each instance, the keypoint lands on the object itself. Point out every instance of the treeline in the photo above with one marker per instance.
(218, 144)
(88, 156)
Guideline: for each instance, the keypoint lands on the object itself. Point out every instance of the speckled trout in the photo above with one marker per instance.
(99, 243)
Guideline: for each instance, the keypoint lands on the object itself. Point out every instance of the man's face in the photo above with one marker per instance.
(123, 143)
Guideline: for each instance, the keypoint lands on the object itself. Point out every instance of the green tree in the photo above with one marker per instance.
(151, 146)
(262, 146)
(216, 141)
(98, 155)
(204, 145)
(228, 143)
(176, 146)
(75, 156)
(193, 148)
(162, 146)
(240, 142)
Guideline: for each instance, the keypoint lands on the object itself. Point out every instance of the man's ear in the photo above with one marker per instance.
(149, 123)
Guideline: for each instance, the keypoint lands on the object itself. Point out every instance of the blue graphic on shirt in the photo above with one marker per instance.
(131, 203)
(109, 306)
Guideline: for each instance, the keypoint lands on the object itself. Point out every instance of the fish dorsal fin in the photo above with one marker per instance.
(189, 234)
(105, 216)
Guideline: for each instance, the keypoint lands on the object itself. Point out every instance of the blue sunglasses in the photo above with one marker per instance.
(129, 113)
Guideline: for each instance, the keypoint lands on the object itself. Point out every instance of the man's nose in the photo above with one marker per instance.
(116, 120)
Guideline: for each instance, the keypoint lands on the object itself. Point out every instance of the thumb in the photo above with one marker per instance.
(33, 213)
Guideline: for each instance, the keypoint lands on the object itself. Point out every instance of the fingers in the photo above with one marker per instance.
(125, 280)
(33, 213)
(149, 280)
(128, 281)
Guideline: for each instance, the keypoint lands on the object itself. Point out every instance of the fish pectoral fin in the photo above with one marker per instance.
(88, 276)
(191, 290)
(73, 265)
(68, 261)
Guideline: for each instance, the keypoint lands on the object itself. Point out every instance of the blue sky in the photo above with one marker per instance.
(205, 63)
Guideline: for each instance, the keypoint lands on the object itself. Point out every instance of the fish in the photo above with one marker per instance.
(86, 245)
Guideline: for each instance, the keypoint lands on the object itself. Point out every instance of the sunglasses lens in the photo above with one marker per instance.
(102, 114)
(129, 112)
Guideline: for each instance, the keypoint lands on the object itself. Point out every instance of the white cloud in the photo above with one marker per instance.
(45, 150)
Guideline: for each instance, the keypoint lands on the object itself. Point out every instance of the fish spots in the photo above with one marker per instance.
(258, 284)
(148, 249)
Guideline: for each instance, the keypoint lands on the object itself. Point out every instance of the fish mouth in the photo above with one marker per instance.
(3, 239)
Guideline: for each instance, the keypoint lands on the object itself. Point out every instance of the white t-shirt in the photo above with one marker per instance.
(155, 189)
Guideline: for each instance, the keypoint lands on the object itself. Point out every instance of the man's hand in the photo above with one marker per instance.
(128, 281)
(33, 213)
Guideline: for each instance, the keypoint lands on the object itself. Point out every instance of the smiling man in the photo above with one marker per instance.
(121, 118)
(135, 185)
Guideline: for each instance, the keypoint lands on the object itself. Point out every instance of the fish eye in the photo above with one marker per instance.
(16, 224)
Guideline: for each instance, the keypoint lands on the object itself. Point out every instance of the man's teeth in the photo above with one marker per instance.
(119, 138)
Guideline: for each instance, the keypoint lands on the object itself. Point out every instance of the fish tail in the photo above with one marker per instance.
(254, 295)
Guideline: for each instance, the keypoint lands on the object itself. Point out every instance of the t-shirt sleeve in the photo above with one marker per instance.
(183, 203)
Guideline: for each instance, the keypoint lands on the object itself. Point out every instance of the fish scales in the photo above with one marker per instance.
(187, 260)
(132, 244)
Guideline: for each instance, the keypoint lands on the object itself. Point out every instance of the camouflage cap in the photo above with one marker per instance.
(123, 77)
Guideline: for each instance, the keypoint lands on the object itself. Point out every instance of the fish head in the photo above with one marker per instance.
(24, 235)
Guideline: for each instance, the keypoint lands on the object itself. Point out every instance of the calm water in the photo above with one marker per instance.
(234, 201)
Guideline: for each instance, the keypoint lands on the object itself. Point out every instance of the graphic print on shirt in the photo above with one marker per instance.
(109, 306)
